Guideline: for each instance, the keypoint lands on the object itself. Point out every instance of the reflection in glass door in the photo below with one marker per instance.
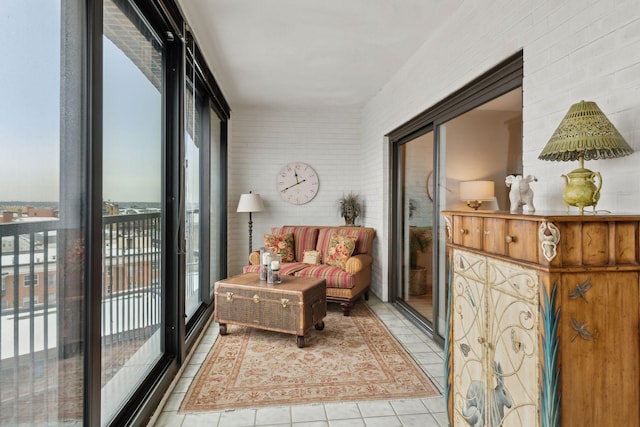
(132, 206)
(416, 194)
(193, 142)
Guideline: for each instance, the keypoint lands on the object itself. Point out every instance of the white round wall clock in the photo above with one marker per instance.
(298, 183)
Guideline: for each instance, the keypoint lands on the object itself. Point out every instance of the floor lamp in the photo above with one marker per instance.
(250, 203)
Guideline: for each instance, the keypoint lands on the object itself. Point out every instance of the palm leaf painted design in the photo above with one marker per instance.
(447, 347)
(550, 397)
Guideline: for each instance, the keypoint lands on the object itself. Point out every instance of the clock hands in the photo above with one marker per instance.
(291, 186)
(296, 174)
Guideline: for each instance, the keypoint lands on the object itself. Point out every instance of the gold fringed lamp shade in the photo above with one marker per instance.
(584, 133)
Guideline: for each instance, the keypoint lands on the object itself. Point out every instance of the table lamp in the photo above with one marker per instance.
(585, 133)
(250, 203)
(476, 192)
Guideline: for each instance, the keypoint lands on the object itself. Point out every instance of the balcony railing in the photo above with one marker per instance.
(37, 272)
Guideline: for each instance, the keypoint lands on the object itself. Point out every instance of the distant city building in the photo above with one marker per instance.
(40, 212)
(109, 208)
(7, 216)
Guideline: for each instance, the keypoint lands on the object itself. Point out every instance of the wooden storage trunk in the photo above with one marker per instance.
(293, 306)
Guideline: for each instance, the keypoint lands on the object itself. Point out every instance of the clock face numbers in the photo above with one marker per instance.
(298, 183)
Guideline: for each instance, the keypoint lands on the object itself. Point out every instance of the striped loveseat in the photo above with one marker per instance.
(344, 286)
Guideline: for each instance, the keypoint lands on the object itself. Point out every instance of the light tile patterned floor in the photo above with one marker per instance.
(386, 413)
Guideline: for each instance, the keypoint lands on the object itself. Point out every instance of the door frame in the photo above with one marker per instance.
(504, 77)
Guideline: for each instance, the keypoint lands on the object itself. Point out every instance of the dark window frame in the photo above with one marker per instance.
(500, 79)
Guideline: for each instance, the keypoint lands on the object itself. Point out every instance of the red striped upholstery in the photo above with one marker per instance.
(335, 276)
(251, 268)
(287, 268)
(304, 238)
(362, 239)
(324, 238)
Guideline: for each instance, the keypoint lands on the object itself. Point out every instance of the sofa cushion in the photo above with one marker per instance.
(304, 238)
(282, 244)
(340, 249)
(253, 268)
(286, 268)
(335, 276)
(363, 239)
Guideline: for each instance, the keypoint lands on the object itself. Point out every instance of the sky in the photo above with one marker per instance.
(30, 113)
(30, 92)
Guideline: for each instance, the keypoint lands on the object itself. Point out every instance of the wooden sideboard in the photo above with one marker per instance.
(543, 319)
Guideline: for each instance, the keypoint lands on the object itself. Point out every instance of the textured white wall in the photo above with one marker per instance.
(573, 50)
(262, 141)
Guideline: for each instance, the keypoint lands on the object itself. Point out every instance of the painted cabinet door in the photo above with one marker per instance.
(469, 335)
(513, 349)
(495, 348)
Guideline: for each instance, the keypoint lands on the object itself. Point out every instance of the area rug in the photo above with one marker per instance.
(353, 358)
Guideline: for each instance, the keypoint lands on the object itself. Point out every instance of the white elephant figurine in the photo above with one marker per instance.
(520, 193)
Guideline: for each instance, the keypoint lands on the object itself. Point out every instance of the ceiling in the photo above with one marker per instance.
(310, 52)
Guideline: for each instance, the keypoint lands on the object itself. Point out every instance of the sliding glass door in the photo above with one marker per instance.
(133, 204)
(43, 199)
(473, 135)
(192, 179)
(415, 178)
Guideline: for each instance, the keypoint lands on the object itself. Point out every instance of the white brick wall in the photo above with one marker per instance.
(573, 50)
(262, 141)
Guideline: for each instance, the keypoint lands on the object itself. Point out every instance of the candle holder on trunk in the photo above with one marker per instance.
(273, 274)
(265, 260)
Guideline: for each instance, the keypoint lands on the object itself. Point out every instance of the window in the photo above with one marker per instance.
(110, 86)
(53, 279)
(26, 301)
(29, 280)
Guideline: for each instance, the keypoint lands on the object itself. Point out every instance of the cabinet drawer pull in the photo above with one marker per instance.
(463, 231)
(487, 232)
(510, 239)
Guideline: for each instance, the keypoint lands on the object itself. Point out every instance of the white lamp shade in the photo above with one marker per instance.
(251, 202)
(477, 190)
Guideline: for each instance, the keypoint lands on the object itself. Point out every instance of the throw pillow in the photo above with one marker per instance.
(340, 249)
(282, 244)
(311, 257)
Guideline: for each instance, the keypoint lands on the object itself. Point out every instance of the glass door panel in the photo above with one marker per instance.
(215, 261)
(483, 144)
(192, 175)
(42, 199)
(416, 288)
(132, 204)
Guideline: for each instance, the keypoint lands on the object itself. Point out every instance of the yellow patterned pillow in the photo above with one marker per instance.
(282, 244)
(340, 249)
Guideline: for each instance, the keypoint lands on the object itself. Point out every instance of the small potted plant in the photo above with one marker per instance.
(419, 242)
(350, 207)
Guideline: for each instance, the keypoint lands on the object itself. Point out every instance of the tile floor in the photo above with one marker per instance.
(388, 413)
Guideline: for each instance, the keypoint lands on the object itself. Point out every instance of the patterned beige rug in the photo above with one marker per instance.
(353, 358)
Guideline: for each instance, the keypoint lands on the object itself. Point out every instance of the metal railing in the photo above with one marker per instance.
(39, 265)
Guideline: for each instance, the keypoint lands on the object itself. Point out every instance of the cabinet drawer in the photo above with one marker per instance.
(493, 236)
(521, 240)
(467, 231)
